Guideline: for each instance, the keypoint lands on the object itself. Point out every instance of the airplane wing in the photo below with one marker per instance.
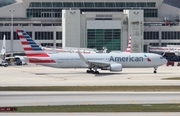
(93, 63)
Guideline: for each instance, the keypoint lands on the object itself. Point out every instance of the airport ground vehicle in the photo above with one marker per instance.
(3, 63)
(170, 63)
(178, 64)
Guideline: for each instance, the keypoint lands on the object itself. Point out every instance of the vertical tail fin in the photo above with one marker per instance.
(30, 47)
(129, 44)
(3, 49)
(33, 52)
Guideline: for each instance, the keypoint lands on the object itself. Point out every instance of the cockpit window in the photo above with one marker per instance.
(161, 57)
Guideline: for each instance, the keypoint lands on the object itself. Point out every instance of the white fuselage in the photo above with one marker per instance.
(128, 60)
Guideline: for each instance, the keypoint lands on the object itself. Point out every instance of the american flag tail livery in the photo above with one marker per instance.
(33, 52)
(129, 44)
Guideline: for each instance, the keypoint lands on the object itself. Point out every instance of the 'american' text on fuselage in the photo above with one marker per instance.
(126, 59)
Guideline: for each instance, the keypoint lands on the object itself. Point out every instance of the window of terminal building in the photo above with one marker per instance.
(57, 4)
(47, 24)
(99, 38)
(101, 10)
(46, 4)
(47, 44)
(7, 34)
(78, 4)
(165, 44)
(170, 35)
(48, 13)
(44, 35)
(89, 4)
(92, 4)
(67, 4)
(150, 13)
(41, 9)
(37, 24)
(152, 35)
(154, 44)
(58, 35)
(58, 45)
(57, 24)
(35, 4)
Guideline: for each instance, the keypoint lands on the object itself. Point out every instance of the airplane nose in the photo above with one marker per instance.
(165, 61)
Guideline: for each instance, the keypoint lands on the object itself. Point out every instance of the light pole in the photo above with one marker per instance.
(11, 45)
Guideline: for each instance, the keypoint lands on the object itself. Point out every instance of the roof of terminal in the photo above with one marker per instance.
(6, 2)
(175, 3)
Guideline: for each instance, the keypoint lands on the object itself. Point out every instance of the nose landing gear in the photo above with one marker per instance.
(155, 69)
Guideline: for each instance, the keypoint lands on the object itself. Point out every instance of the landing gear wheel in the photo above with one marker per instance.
(89, 71)
(155, 69)
(96, 72)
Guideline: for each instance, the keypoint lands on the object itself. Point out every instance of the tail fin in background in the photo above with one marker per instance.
(129, 44)
(30, 47)
(3, 49)
(33, 52)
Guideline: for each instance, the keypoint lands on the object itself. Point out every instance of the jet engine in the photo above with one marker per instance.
(115, 67)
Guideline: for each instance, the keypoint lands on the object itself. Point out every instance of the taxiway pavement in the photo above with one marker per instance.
(32, 75)
(86, 98)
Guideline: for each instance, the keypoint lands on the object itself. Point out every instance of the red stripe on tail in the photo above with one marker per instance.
(21, 36)
(26, 49)
(25, 43)
(18, 30)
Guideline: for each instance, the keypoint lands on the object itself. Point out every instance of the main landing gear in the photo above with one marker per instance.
(92, 71)
(155, 69)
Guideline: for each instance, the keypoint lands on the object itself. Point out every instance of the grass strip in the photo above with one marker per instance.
(93, 88)
(103, 108)
(173, 78)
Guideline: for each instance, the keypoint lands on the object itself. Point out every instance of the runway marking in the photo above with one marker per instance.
(132, 101)
(129, 77)
(175, 101)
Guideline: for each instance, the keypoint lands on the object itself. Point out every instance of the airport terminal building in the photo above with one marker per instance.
(91, 24)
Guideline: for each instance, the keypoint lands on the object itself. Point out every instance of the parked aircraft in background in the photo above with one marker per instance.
(169, 49)
(82, 50)
(171, 53)
(68, 49)
(108, 61)
(129, 44)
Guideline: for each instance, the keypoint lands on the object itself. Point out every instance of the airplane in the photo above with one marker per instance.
(114, 62)
(88, 51)
(169, 49)
(129, 45)
(71, 50)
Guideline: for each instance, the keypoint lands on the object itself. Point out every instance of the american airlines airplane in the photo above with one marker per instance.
(108, 61)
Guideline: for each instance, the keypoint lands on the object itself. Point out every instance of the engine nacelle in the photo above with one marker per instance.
(116, 67)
